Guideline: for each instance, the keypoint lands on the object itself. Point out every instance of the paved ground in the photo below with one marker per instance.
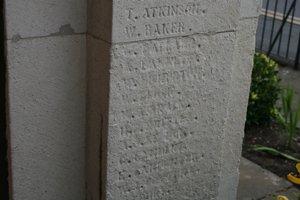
(257, 183)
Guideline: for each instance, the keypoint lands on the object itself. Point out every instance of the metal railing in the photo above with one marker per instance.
(278, 32)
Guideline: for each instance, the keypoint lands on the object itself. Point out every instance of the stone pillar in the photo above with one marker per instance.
(240, 87)
(46, 58)
(162, 77)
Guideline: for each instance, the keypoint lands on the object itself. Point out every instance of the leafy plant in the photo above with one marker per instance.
(264, 91)
(260, 148)
(289, 118)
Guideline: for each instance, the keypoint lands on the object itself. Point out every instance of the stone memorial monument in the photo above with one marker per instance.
(127, 99)
(167, 122)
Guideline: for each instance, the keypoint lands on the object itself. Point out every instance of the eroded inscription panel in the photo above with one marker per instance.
(149, 19)
(167, 112)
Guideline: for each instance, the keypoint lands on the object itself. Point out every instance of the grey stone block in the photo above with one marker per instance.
(46, 84)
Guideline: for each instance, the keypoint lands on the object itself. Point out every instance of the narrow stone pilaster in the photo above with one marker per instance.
(46, 59)
(240, 86)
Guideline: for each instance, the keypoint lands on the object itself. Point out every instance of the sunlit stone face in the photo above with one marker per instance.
(167, 113)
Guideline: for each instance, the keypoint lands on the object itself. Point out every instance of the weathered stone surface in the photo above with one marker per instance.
(46, 84)
(36, 18)
(168, 104)
(161, 77)
(172, 72)
(151, 19)
(164, 117)
(250, 9)
(240, 85)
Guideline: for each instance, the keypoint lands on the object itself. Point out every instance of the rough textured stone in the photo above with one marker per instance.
(46, 55)
(46, 84)
(172, 72)
(250, 9)
(160, 114)
(168, 105)
(240, 85)
(36, 18)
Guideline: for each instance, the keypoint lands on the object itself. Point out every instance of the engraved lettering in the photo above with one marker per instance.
(153, 30)
(130, 17)
(173, 10)
(130, 31)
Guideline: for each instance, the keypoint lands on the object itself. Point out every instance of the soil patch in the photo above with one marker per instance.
(271, 136)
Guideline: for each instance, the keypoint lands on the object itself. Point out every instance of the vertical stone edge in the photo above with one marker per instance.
(4, 137)
(99, 34)
(97, 114)
(99, 19)
(240, 86)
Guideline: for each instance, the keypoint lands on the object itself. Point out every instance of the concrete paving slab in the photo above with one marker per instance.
(256, 183)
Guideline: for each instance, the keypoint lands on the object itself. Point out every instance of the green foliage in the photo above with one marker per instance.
(287, 117)
(260, 148)
(264, 90)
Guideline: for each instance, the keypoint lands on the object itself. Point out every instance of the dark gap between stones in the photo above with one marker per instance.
(4, 186)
